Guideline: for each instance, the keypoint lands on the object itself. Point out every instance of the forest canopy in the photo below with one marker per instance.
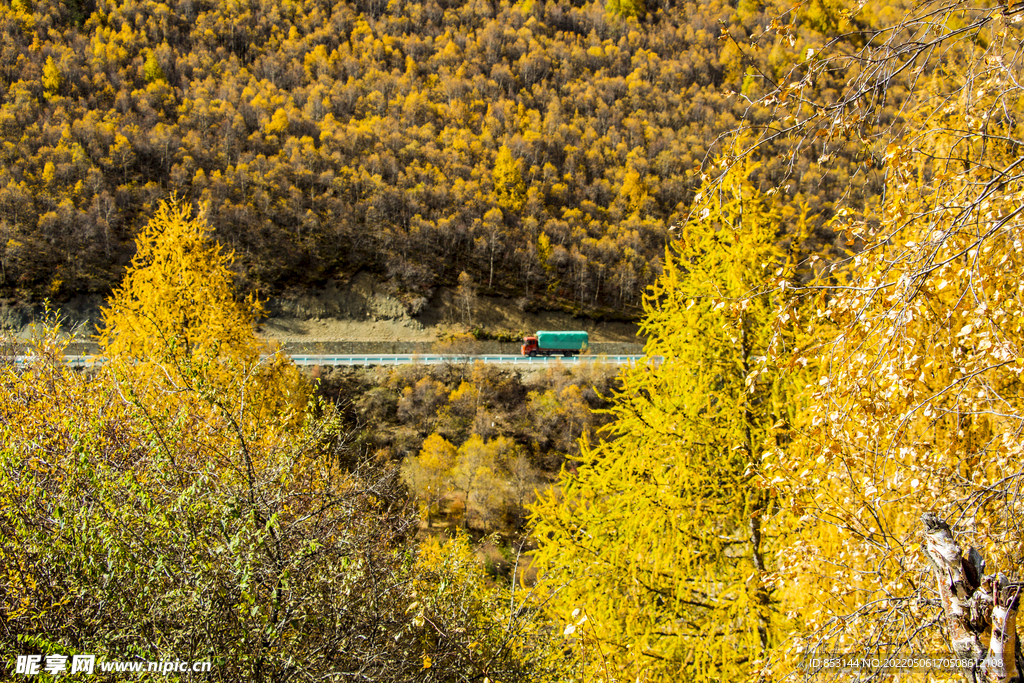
(545, 148)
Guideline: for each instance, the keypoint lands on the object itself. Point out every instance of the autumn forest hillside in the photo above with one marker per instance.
(546, 148)
(817, 461)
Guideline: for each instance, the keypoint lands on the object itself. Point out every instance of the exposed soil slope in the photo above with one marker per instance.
(359, 310)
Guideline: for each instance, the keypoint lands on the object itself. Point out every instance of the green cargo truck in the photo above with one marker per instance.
(547, 343)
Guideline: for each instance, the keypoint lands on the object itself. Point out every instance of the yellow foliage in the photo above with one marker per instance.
(474, 472)
(655, 553)
(428, 473)
(176, 318)
(509, 188)
(52, 78)
(152, 70)
(634, 193)
(131, 509)
(278, 123)
(451, 581)
(464, 399)
(437, 453)
(544, 251)
(921, 403)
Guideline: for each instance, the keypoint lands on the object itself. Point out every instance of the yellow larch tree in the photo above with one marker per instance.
(509, 188)
(475, 473)
(655, 553)
(177, 316)
(52, 78)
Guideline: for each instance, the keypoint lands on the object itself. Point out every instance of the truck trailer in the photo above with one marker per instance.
(547, 343)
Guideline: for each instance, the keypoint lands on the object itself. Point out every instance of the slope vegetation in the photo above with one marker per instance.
(546, 148)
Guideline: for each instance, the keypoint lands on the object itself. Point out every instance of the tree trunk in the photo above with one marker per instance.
(975, 605)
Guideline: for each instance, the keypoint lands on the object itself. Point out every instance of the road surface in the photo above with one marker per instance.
(403, 359)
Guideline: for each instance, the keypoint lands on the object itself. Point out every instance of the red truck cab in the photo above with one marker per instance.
(530, 346)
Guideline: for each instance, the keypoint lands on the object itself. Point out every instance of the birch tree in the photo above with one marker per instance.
(919, 409)
(978, 608)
